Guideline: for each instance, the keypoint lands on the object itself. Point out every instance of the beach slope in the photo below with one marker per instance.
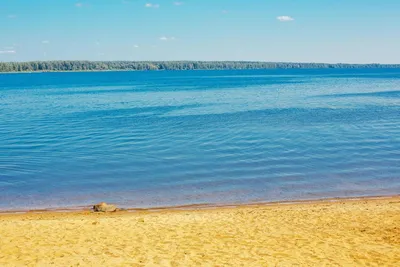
(323, 233)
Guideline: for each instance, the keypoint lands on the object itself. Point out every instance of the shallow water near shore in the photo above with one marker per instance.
(146, 139)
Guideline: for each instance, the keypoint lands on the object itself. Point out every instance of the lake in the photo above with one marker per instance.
(165, 138)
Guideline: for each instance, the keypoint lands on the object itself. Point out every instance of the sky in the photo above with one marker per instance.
(332, 31)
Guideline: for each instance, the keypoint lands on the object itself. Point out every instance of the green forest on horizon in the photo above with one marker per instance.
(65, 65)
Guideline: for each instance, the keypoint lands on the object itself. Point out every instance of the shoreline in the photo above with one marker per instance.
(203, 206)
(305, 66)
(163, 70)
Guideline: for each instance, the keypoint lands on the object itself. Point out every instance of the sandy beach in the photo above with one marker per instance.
(322, 233)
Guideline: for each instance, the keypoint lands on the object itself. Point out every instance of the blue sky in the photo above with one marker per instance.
(353, 31)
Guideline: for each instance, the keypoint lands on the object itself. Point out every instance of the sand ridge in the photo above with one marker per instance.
(341, 233)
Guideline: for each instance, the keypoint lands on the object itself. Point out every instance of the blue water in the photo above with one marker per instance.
(145, 139)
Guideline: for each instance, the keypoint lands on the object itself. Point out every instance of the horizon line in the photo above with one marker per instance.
(211, 61)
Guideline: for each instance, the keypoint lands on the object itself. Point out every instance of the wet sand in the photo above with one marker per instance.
(321, 233)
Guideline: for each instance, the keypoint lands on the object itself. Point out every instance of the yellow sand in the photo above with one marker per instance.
(345, 233)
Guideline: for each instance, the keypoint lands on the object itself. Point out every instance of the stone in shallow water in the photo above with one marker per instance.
(104, 207)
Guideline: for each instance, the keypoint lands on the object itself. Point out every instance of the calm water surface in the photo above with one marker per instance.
(143, 139)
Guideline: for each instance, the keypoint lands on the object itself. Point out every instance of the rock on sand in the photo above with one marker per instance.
(104, 207)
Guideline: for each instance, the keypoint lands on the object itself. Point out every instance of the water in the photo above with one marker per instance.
(145, 139)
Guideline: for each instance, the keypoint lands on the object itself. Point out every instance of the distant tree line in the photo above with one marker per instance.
(44, 66)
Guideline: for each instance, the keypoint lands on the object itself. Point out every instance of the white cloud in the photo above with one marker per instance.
(8, 52)
(45, 42)
(178, 3)
(284, 18)
(165, 38)
(150, 5)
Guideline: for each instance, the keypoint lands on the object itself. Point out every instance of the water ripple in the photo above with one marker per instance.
(172, 138)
